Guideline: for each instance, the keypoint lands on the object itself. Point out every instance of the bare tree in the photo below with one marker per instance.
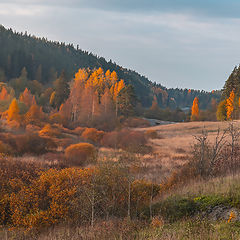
(206, 154)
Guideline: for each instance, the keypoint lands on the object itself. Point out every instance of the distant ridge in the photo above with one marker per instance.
(19, 50)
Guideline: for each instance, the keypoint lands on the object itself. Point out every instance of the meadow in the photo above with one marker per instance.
(153, 190)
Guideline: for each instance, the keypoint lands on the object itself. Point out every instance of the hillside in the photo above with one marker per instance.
(44, 60)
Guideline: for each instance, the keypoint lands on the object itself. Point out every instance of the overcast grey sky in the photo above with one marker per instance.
(178, 43)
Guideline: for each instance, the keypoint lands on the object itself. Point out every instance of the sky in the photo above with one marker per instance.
(178, 43)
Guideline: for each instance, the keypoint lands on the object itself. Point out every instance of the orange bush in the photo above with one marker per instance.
(79, 130)
(49, 131)
(14, 175)
(30, 199)
(93, 135)
(80, 154)
(47, 200)
(14, 124)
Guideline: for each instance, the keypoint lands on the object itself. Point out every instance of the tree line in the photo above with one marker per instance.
(45, 60)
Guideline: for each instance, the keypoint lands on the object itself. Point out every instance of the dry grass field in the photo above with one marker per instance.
(173, 146)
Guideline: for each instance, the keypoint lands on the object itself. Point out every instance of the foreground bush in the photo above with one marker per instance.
(80, 154)
(75, 196)
(93, 135)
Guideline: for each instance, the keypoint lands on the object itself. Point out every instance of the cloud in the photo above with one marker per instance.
(216, 8)
(11, 9)
(175, 48)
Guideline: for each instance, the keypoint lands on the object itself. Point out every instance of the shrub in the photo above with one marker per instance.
(32, 128)
(13, 176)
(133, 141)
(80, 154)
(151, 134)
(33, 144)
(93, 135)
(49, 131)
(175, 208)
(136, 123)
(5, 149)
(56, 118)
(15, 125)
(79, 130)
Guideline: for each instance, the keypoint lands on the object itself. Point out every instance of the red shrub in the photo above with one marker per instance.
(80, 154)
(125, 139)
(33, 144)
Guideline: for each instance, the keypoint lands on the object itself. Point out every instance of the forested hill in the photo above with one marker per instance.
(44, 60)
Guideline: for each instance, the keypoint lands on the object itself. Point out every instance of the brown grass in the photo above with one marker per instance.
(173, 149)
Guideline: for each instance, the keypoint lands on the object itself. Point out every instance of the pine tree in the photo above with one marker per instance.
(127, 101)
(62, 91)
(232, 83)
(221, 111)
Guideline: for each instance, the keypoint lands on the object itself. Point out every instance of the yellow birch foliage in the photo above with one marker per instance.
(230, 105)
(195, 109)
(115, 89)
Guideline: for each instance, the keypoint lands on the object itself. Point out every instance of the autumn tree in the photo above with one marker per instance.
(27, 98)
(230, 105)
(94, 97)
(115, 91)
(195, 110)
(13, 111)
(107, 118)
(4, 94)
(34, 115)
